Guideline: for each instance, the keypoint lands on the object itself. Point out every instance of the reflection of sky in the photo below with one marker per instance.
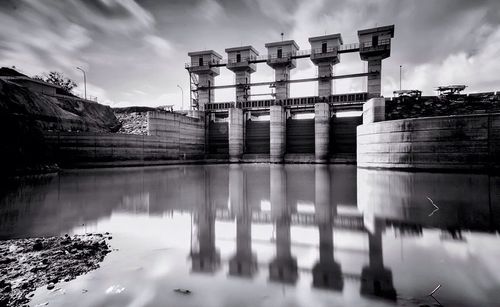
(152, 229)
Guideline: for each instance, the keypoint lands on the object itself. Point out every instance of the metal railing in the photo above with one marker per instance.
(366, 46)
(338, 99)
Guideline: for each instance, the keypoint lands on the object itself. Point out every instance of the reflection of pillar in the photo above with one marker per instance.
(326, 273)
(284, 266)
(376, 279)
(207, 257)
(244, 262)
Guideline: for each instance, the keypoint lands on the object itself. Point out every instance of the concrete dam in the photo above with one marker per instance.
(233, 128)
(457, 132)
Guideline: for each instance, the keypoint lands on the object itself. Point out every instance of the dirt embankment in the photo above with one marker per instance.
(55, 113)
(26, 264)
(25, 115)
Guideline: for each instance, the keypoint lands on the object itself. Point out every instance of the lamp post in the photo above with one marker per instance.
(400, 70)
(182, 95)
(84, 81)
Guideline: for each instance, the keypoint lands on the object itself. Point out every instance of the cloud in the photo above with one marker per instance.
(127, 45)
(160, 45)
(210, 10)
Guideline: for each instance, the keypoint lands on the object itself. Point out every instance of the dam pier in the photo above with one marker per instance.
(275, 130)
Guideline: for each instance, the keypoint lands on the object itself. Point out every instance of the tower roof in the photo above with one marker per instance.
(243, 48)
(389, 29)
(326, 37)
(282, 43)
(204, 52)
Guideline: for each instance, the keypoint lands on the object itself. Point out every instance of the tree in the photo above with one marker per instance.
(57, 78)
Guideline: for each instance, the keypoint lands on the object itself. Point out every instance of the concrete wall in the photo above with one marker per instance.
(109, 149)
(185, 131)
(172, 137)
(467, 142)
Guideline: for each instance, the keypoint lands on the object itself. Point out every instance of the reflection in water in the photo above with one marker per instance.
(326, 272)
(409, 249)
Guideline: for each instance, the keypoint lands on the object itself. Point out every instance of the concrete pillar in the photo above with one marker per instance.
(242, 77)
(321, 131)
(277, 131)
(374, 110)
(205, 96)
(325, 69)
(282, 73)
(374, 81)
(235, 134)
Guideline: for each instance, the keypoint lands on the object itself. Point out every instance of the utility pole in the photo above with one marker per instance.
(182, 96)
(84, 81)
(400, 70)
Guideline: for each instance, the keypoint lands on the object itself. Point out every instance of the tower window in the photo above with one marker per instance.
(374, 41)
(238, 57)
(323, 48)
(280, 53)
(200, 61)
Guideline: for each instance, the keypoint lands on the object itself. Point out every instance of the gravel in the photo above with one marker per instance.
(26, 264)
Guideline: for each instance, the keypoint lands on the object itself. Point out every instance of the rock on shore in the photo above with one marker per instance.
(26, 264)
(133, 120)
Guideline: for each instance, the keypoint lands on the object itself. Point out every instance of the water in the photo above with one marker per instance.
(260, 235)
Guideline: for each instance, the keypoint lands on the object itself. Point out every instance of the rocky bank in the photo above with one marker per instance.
(133, 120)
(26, 264)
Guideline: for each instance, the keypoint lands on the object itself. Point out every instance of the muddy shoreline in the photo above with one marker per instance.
(26, 264)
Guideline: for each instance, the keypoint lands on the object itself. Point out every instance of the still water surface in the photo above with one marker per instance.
(269, 235)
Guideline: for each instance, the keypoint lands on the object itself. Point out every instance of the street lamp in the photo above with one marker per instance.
(84, 81)
(182, 95)
(400, 72)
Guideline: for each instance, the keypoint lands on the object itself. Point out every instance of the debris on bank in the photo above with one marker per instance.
(26, 264)
(133, 123)
(133, 120)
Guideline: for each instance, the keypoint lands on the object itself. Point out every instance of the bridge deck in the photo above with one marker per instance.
(339, 101)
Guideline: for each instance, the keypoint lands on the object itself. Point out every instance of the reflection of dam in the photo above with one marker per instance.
(465, 201)
(286, 206)
(327, 202)
(292, 200)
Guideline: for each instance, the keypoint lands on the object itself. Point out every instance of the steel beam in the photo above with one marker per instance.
(358, 75)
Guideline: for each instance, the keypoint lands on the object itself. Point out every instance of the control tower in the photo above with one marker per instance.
(324, 54)
(374, 46)
(205, 65)
(239, 62)
(280, 58)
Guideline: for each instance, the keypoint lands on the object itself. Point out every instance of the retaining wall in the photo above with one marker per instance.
(186, 131)
(468, 142)
(173, 138)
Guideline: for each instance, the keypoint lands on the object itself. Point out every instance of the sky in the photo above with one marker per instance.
(134, 51)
